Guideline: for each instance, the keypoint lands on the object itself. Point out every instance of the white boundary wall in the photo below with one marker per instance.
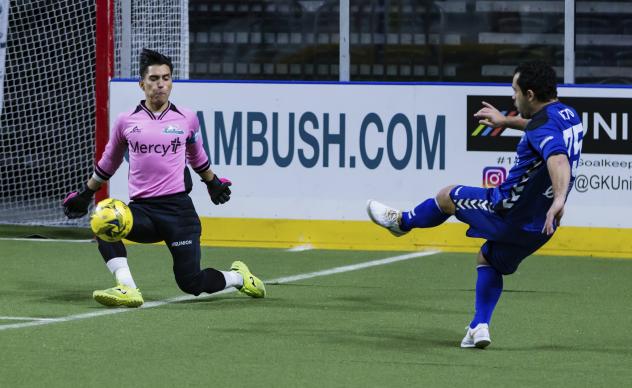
(317, 184)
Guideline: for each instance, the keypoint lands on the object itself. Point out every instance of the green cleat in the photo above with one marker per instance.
(253, 286)
(119, 296)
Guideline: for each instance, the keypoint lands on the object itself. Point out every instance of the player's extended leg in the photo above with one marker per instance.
(125, 293)
(431, 212)
(186, 267)
(489, 287)
(182, 233)
(194, 280)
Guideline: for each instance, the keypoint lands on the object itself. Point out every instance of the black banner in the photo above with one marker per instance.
(607, 124)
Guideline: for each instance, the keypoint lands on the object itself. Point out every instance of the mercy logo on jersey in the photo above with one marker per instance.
(172, 130)
(162, 149)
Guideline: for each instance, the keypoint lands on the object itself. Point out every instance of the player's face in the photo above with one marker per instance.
(521, 101)
(157, 85)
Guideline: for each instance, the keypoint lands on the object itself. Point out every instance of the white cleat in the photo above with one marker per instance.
(385, 217)
(477, 337)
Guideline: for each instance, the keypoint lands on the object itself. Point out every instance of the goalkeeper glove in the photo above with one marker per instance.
(218, 189)
(76, 203)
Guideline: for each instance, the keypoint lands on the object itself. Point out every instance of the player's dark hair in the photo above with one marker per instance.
(539, 77)
(149, 58)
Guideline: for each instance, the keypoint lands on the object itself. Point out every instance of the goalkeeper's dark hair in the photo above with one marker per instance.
(150, 58)
(539, 77)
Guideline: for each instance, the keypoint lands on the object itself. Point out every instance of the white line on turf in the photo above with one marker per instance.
(5, 318)
(43, 240)
(281, 280)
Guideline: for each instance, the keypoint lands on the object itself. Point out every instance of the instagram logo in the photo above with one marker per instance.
(493, 176)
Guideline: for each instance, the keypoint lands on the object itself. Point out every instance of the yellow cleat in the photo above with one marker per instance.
(253, 286)
(119, 296)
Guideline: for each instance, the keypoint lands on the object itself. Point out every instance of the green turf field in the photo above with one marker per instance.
(562, 321)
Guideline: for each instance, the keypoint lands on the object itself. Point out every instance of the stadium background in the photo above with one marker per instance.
(332, 317)
(56, 135)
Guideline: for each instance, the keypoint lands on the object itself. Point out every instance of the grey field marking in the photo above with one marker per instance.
(44, 240)
(11, 318)
(158, 303)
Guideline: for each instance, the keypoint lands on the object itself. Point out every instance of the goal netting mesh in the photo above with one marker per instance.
(161, 25)
(47, 124)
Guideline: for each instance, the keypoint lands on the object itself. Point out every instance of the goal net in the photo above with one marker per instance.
(48, 124)
(159, 25)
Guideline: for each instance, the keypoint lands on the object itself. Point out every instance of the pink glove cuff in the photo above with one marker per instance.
(70, 196)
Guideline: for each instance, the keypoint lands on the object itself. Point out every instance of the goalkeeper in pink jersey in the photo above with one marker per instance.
(160, 139)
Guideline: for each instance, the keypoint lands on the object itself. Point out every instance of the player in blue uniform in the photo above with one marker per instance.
(520, 215)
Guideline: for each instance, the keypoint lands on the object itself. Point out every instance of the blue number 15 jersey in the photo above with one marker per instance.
(527, 193)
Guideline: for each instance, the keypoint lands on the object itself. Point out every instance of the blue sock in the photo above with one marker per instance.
(489, 286)
(425, 215)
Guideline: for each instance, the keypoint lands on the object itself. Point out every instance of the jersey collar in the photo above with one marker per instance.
(143, 108)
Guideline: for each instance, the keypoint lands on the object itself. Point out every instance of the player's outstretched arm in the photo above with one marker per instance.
(490, 116)
(218, 188)
(76, 203)
(560, 172)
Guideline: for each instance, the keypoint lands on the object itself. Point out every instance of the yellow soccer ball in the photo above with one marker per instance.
(111, 220)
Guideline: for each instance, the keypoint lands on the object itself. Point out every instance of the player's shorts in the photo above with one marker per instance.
(507, 243)
(171, 218)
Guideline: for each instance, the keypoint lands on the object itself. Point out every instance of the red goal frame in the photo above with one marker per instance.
(104, 68)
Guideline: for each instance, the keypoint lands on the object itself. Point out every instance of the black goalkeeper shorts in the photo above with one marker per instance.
(171, 218)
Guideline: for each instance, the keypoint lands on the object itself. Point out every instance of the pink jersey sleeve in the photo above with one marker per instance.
(196, 156)
(114, 151)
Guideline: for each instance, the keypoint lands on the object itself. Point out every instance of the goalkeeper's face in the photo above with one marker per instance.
(157, 85)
